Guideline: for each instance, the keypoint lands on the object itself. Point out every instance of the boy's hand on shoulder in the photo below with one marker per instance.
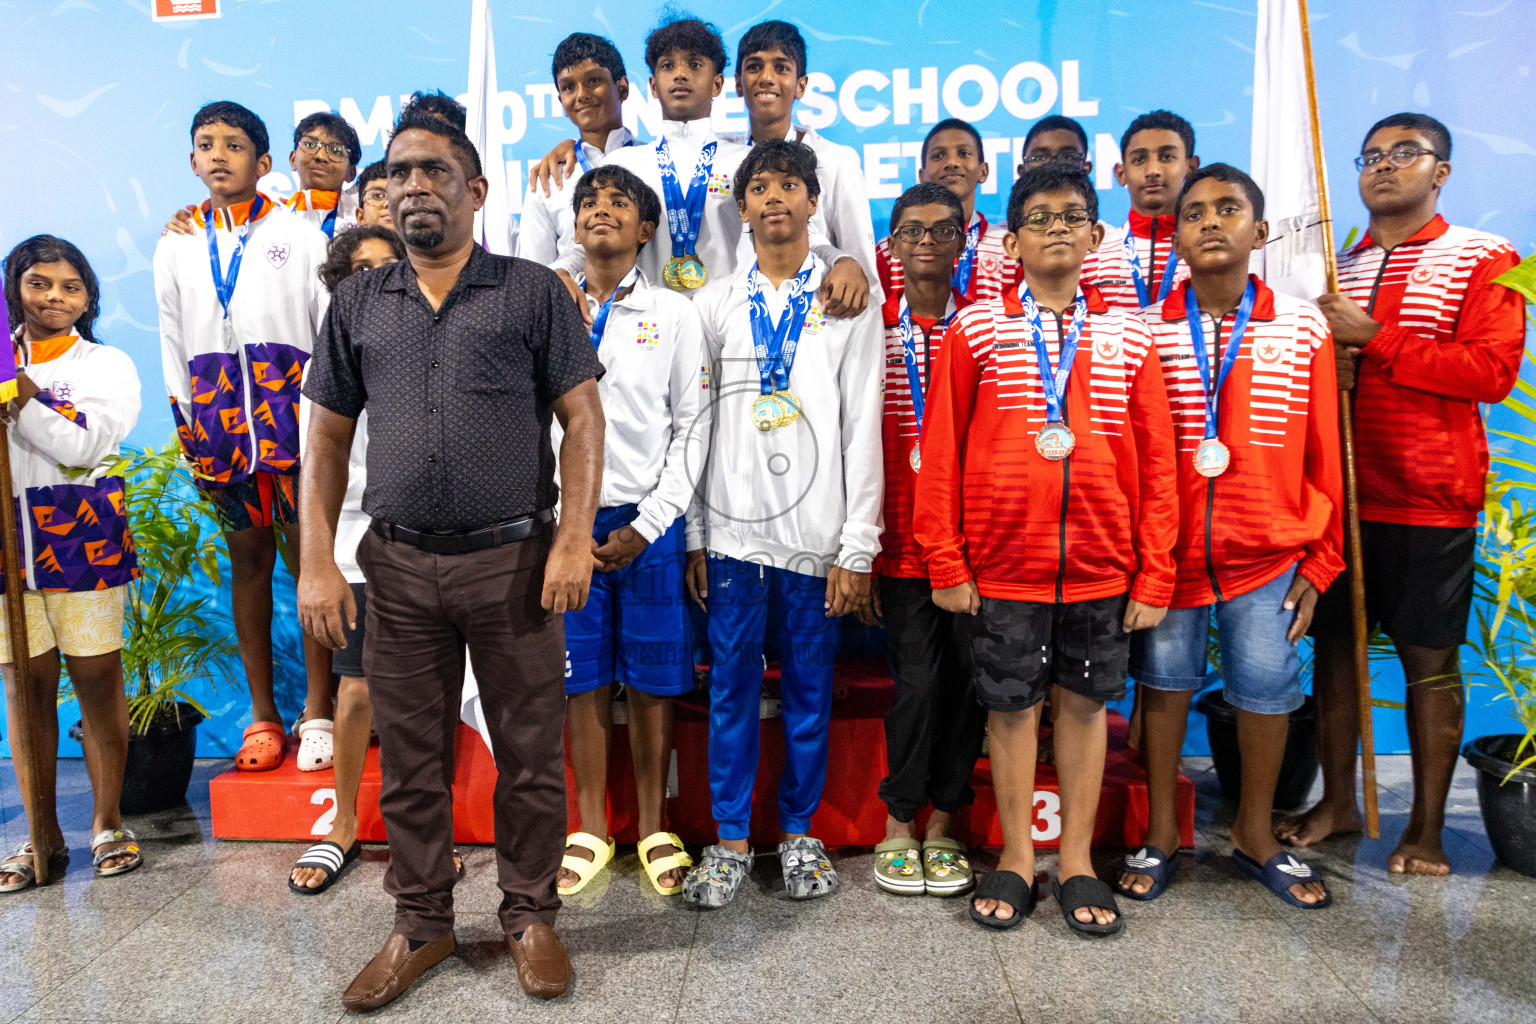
(181, 224)
(1142, 616)
(844, 291)
(577, 295)
(964, 599)
(1302, 596)
(850, 592)
(557, 165)
(696, 577)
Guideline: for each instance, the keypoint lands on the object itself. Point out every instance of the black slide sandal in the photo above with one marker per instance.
(1082, 891)
(1007, 887)
(330, 858)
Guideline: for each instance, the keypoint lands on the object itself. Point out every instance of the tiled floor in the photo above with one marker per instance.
(207, 932)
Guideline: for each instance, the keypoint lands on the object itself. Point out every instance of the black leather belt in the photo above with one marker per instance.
(465, 541)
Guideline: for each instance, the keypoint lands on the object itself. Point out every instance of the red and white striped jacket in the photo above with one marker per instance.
(991, 508)
(900, 554)
(1280, 500)
(1450, 338)
(1108, 268)
(993, 272)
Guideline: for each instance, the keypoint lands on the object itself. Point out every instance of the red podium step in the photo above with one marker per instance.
(289, 804)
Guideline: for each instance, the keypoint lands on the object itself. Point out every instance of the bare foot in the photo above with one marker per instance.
(1418, 855)
(1313, 826)
(667, 879)
(311, 878)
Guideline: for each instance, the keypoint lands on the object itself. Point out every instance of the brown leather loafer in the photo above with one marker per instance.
(543, 969)
(393, 970)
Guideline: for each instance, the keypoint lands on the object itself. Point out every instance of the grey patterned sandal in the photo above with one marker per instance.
(807, 871)
(714, 880)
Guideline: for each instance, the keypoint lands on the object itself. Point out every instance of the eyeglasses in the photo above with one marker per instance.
(1041, 220)
(1401, 155)
(336, 150)
(375, 195)
(1073, 158)
(913, 233)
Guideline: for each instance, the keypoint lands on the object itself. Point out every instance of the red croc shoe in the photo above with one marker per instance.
(261, 747)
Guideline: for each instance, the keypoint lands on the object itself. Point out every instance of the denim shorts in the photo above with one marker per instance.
(1259, 667)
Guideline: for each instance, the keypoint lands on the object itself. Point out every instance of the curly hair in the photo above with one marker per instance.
(338, 255)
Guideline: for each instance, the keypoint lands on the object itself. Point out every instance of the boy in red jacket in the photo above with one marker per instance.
(1046, 507)
(1251, 385)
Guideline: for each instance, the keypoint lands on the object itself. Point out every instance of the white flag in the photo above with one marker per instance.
(495, 227)
(1282, 163)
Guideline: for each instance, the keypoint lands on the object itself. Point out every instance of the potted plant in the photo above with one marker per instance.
(1506, 635)
(171, 641)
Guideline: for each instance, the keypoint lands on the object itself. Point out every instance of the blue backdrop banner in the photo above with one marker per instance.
(99, 95)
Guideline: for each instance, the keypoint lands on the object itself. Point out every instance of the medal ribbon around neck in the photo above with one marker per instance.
(600, 321)
(1228, 358)
(915, 381)
(586, 162)
(684, 213)
(329, 224)
(774, 344)
(224, 285)
(1055, 384)
(965, 266)
(1169, 268)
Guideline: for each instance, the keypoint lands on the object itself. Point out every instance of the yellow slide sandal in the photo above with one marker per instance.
(654, 869)
(585, 870)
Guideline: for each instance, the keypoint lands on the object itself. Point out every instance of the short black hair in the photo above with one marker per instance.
(795, 159)
(1438, 134)
(951, 124)
(580, 46)
(689, 35)
(926, 193)
(1056, 123)
(49, 249)
(1050, 178)
(340, 130)
(438, 104)
(415, 118)
(376, 171)
(627, 182)
(1161, 120)
(773, 35)
(236, 116)
(338, 255)
(1232, 176)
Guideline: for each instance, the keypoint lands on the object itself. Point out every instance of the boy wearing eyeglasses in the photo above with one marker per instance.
(934, 727)
(952, 156)
(1423, 335)
(1056, 140)
(1046, 507)
(372, 197)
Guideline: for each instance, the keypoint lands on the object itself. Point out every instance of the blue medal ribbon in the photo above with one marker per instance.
(1169, 268)
(1055, 384)
(915, 381)
(600, 321)
(684, 213)
(965, 266)
(585, 162)
(774, 344)
(223, 285)
(1228, 358)
(329, 224)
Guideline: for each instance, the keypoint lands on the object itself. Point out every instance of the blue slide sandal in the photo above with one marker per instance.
(1281, 872)
(1152, 862)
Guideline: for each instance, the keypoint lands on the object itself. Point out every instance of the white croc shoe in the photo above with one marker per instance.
(315, 747)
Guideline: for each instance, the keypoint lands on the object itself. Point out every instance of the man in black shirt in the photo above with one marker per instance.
(460, 358)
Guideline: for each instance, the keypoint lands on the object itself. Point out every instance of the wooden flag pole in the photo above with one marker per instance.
(1352, 542)
(23, 750)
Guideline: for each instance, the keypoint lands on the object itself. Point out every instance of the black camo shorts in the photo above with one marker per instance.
(1020, 648)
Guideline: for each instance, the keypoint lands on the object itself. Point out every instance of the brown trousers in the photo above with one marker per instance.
(423, 610)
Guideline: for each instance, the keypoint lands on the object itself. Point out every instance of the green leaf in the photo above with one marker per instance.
(1521, 278)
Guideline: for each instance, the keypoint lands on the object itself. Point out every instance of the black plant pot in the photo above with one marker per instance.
(159, 761)
(1297, 771)
(1509, 808)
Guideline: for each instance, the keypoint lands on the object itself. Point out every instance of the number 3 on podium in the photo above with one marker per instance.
(1045, 827)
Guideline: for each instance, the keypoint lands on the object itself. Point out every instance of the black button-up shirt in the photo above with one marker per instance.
(459, 400)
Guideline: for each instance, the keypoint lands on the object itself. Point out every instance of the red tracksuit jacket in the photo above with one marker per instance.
(991, 508)
(1451, 339)
(1281, 498)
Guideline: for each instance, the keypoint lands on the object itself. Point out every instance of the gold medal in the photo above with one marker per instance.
(767, 411)
(684, 273)
(1212, 458)
(1055, 441)
(791, 405)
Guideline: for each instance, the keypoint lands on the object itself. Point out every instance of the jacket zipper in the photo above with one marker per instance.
(1152, 279)
(248, 383)
(1210, 489)
(1386, 257)
(1066, 475)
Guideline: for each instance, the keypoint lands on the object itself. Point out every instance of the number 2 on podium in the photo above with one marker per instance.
(322, 825)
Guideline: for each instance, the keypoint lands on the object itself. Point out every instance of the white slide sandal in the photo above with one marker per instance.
(315, 746)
